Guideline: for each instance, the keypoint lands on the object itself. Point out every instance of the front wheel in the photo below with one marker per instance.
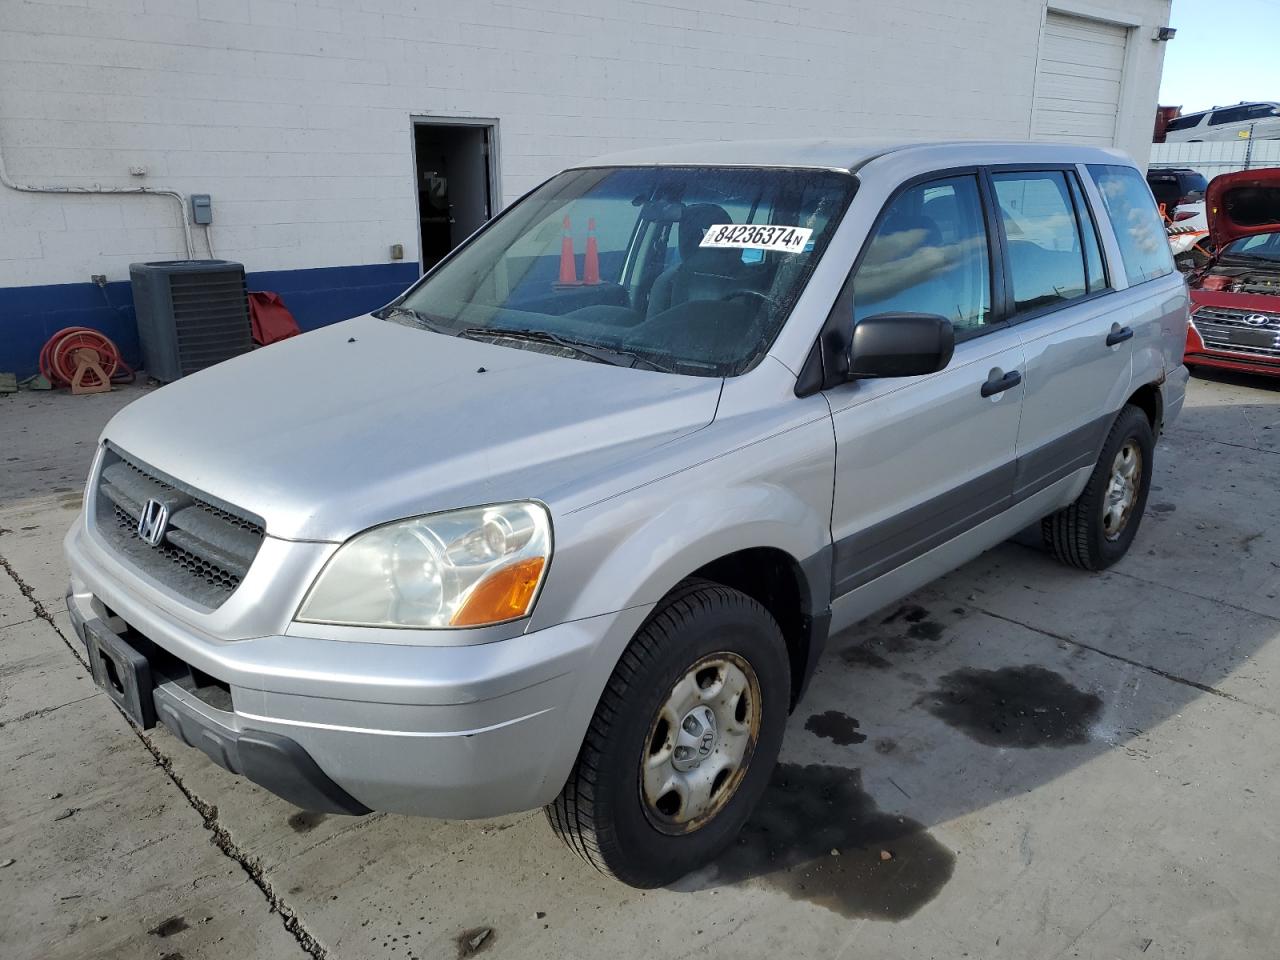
(1096, 530)
(683, 741)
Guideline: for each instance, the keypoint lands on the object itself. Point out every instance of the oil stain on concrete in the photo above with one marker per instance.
(1026, 706)
(861, 655)
(818, 836)
(473, 941)
(907, 625)
(167, 928)
(839, 728)
(910, 612)
(304, 821)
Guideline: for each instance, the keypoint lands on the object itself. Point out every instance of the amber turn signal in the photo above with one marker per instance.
(505, 594)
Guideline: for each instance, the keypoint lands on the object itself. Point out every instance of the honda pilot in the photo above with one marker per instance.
(574, 524)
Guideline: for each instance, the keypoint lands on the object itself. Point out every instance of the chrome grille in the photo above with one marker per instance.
(207, 547)
(1228, 329)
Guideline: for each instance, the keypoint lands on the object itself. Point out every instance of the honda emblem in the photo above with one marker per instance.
(153, 522)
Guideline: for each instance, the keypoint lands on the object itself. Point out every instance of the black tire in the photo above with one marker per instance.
(600, 813)
(1076, 534)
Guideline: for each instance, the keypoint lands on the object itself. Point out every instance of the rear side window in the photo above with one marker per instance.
(1230, 115)
(1049, 258)
(1194, 185)
(1184, 123)
(929, 255)
(1144, 246)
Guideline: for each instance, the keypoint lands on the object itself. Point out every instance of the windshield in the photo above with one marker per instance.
(686, 270)
(1261, 246)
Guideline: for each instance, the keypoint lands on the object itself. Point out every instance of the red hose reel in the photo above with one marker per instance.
(83, 359)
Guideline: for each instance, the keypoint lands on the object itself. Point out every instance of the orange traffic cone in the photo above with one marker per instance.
(568, 262)
(591, 267)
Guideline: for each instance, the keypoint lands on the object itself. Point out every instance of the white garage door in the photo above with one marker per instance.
(1078, 81)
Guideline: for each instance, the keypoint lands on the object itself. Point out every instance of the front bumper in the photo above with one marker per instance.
(1198, 354)
(1233, 361)
(456, 732)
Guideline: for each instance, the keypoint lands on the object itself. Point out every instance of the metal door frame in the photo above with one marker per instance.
(492, 160)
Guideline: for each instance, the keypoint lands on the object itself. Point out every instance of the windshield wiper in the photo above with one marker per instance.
(426, 321)
(594, 351)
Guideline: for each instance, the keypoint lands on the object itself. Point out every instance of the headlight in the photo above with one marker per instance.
(465, 568)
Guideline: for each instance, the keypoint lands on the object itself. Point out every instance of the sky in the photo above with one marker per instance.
(1225, 52)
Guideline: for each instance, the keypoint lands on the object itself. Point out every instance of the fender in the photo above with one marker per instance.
(632, 550)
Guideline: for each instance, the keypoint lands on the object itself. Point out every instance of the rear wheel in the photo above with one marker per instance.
(683, 741)
(1096, 530)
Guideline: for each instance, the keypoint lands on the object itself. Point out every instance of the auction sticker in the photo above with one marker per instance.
(741, 236)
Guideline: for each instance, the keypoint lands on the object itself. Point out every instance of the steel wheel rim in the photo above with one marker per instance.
(1122, 489)
(700, 743)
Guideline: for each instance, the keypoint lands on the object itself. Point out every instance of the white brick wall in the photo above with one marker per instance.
(295, 114)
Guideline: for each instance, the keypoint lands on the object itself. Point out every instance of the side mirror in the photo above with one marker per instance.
(900, 345)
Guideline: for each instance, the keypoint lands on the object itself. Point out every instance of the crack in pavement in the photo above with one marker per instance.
(219, 836)
(1165, 674)
(1199, 596)
(32, 714)
(1239, 446)
(37, 607)
(18, 623)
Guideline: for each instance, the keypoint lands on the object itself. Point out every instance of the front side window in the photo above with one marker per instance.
(1144, 245)
(929, 255)
(1049, 261)
(689, 270)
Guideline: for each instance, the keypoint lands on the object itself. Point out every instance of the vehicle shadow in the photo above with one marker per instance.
(1237, 378)
(1007, 675)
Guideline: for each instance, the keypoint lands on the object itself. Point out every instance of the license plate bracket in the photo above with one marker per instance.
(1254, 338)
(122, 672)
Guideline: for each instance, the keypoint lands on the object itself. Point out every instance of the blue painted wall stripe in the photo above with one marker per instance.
(31, 315)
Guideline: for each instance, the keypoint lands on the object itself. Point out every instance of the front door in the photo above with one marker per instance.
(920, 460)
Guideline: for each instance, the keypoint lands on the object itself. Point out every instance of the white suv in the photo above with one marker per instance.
(1261, 121)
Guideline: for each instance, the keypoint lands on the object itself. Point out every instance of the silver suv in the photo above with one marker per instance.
(568, 523)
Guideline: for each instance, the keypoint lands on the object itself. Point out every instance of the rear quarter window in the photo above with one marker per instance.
(1144, 245)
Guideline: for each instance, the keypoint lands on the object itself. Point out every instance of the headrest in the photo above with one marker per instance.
(693, 224)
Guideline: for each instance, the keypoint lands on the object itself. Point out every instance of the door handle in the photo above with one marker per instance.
(1010, 379)
(1118, 335)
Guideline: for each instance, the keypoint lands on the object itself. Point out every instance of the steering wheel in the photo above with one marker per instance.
(747, 292)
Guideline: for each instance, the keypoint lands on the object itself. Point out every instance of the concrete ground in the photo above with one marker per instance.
(1056, 764)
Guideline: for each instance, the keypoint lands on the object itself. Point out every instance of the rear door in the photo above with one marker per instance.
(1077, 348)
(920, 460)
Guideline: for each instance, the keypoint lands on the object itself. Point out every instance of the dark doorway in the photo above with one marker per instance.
(455, 183)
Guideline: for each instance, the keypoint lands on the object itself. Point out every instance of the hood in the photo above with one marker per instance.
(1243, 204)
(367, 421)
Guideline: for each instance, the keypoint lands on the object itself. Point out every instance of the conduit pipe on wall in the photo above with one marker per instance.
(106, 191)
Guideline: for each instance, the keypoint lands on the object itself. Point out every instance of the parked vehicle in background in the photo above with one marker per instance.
(1176, 186)
(1179, 191)
(1188, 229)
(1260, 120)
(1235, 297)
(572, 531)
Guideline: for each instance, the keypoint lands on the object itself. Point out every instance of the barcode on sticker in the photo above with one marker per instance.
(741, 236)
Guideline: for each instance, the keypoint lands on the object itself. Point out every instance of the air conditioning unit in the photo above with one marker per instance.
(191, 315)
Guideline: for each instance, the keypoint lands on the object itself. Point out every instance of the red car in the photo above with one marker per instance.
(1235, 297)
